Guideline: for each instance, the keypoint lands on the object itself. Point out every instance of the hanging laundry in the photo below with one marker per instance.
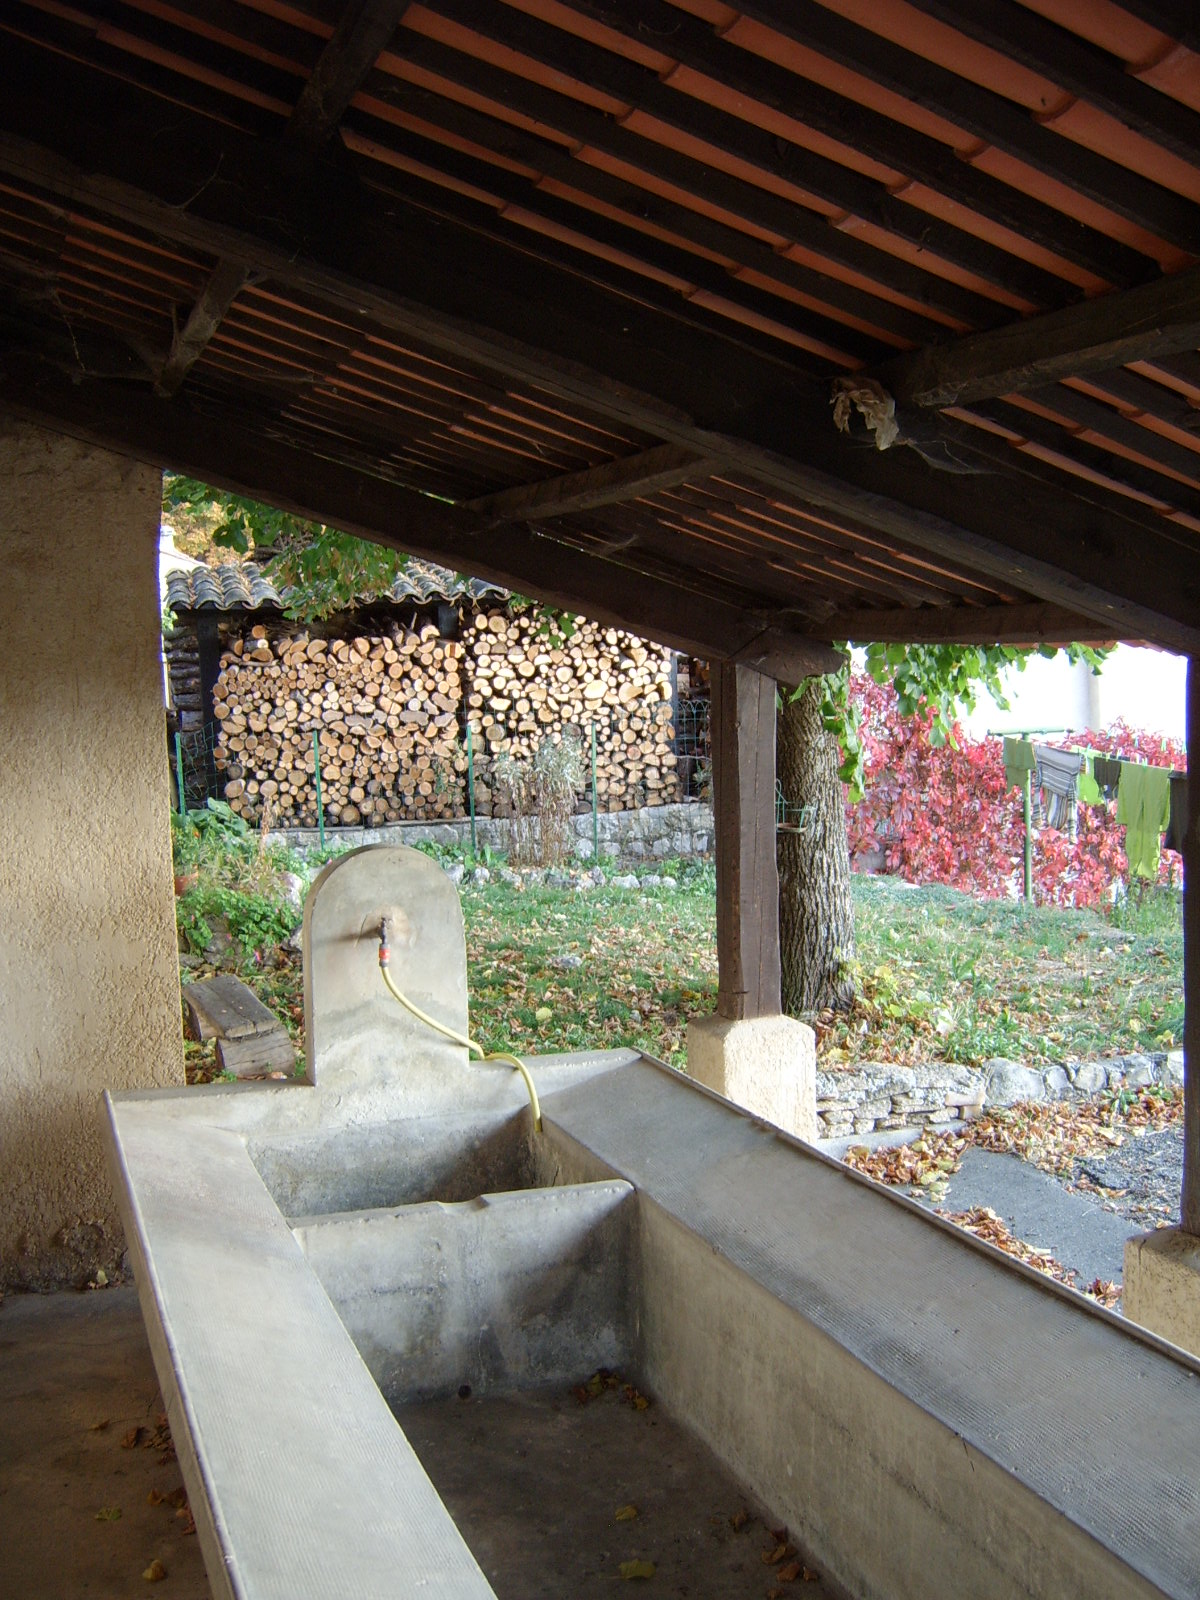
(1057, 776)
(1018, 760)
(1107, 772)
(1177, 825)
(1144, 806)
(1089, 789)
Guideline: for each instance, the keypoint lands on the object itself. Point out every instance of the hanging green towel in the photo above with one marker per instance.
(1144, 806)
(1018, 760)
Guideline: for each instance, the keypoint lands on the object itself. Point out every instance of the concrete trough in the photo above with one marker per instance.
(925, 1416)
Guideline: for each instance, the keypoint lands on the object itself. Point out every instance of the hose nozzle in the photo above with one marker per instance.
(385, 953)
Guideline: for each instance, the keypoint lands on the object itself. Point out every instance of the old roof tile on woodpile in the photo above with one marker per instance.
(243, 586)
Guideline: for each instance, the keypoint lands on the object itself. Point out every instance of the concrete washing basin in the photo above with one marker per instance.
(389, 1256)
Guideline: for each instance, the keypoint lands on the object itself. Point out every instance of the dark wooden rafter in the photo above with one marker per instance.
(897, 146)
(850, 310)
(1157, 470)
(624, 479)
(1074, 64)
(126, 418)
(191, 340)
(362, 33)
(523, 319)
(1139, 324)
(743, 764)
(757, 207)
(1023, 624)
(984, 113)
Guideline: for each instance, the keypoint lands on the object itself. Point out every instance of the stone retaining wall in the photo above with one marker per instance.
(878, 1098)
(653, 833)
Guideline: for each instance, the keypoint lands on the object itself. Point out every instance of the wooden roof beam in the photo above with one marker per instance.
(192, 339)
(1140, 324)
(365, 28)
(662, 467)
(126, 418)
(1020, 624)
(467, 294)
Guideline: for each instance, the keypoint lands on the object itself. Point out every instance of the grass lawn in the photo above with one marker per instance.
(945, 976)
(941, 976)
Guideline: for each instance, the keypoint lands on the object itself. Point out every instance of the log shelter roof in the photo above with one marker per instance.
(751, 328)
(243, 586)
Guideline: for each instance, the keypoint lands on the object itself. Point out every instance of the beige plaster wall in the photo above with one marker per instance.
(89, 993)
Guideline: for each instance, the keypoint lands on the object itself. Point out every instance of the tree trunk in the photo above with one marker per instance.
(816, 914)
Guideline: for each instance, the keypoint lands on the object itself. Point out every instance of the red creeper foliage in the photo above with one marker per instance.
(943, 814)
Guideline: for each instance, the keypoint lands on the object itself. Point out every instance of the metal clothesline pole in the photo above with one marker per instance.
(1026, 804)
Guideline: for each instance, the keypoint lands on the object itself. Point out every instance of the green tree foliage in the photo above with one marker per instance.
(944, 679)
(325, 569)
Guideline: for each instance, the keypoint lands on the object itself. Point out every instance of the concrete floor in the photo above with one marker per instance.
(75, 1379)
(535, 1482)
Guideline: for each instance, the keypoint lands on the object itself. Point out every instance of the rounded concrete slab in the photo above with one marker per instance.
(358, 1034)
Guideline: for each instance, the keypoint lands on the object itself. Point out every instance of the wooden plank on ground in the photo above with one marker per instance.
(258, 1054)
(224, 1008)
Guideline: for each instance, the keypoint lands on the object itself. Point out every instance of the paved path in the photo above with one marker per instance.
(1037, 1208)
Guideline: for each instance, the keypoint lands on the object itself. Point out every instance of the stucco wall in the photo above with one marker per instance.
(88, 981)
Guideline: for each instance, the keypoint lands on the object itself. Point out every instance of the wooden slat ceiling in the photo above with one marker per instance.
(562, 292)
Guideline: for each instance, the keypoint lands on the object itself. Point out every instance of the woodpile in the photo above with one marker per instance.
(526, 685)
(386, 711)
(391, 713)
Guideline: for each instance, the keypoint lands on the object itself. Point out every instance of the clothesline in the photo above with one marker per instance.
(1151, 801)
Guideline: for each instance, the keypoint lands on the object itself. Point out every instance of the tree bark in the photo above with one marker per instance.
(816, 913)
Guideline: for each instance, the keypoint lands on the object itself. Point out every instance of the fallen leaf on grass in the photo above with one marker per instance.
(636, 1569)
(543, 1014)
(626, 1513)
(109, 1514)
(155, 1572)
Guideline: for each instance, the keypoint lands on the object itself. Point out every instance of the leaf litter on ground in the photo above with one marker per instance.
(1053, 1137)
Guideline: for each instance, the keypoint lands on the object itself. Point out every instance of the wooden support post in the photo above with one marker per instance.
(1190, 1199)
(743, 737)
(208, 649)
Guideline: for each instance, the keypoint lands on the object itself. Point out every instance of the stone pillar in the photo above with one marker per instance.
(89, 985)
(1161, 1286)
(768, 1065)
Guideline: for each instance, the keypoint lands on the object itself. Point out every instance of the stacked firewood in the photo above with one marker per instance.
(526, 685)
(386, 712)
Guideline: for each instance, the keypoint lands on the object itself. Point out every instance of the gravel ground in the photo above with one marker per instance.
(1142, 1177)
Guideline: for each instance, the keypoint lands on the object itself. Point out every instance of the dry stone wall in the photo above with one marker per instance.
(881, 1098)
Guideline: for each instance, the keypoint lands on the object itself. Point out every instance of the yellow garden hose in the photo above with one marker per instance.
(385, 956)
